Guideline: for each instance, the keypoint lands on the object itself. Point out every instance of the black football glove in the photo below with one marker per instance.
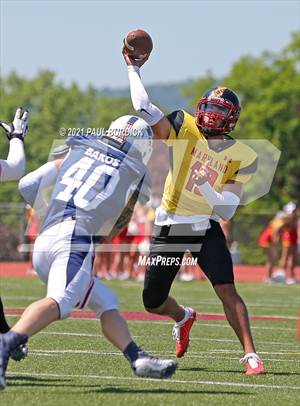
(19, 127)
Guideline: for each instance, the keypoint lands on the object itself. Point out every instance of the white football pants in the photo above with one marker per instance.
(64, 261)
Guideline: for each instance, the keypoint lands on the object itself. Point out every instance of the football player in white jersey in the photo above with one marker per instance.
(13, 169)
(97, 183)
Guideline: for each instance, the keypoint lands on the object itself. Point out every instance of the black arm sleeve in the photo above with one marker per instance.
(176, 119)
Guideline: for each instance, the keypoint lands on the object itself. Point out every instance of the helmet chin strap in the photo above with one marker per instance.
(213, 134)
(220, 136)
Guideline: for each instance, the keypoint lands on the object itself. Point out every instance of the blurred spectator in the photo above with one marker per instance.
(188, 271)
(233, 246)
(268, 241)
(32, 231)
(125, 255)
(289, 238)
(104, 262)
(141, 227)
(283, 227)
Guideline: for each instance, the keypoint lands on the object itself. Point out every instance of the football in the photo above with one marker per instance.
(138, 44)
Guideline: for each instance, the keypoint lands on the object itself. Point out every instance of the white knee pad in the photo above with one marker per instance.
(99, 299)
(102, 298)
(66, 305)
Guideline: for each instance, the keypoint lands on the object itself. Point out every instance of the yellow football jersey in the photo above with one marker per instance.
(230, 160)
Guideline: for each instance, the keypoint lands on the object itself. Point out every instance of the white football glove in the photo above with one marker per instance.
(19, 127)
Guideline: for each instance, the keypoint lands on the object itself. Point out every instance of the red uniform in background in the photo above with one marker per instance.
(282, 228)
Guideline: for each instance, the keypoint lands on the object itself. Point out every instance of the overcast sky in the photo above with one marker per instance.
(81, 40)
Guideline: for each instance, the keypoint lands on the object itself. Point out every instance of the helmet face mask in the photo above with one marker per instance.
(217, 111)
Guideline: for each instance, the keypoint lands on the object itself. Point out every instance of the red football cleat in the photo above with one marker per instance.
(181, 333)
(254, 365)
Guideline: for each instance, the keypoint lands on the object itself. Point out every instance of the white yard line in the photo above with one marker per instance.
(259, 305)
(221, 340)
(199, 324)
(63, 333)
(80, 352)
(190, 354)
(265, 317)
(217, 351)
(212, 300)
(209, 302)
(20, 298)
(268, 302)
(170, 381)
(97, 336)
(57, 333)
(36, 353)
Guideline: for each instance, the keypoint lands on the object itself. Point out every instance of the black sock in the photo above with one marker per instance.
(4, 327)
(132, 352)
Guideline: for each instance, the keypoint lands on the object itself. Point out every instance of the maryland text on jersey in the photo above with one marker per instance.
(229, 161)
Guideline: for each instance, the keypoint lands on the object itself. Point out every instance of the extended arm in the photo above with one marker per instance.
(140, 100)
(13, 167)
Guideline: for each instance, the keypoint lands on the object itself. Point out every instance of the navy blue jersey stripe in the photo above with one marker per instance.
(79, 249)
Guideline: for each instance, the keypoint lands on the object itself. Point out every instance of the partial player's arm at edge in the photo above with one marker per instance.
(13, 167)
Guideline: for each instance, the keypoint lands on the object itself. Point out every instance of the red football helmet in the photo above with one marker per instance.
(217, 112)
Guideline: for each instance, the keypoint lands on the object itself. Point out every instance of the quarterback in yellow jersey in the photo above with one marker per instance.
(207, 171)
(181, 196)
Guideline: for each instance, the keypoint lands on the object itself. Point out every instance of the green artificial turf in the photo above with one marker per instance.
(71, 363)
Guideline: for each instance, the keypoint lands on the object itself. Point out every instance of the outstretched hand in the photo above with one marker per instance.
(19, 127)
(131, 60)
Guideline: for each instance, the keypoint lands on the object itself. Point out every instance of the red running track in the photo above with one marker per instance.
(243, 273)
(143, 316)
